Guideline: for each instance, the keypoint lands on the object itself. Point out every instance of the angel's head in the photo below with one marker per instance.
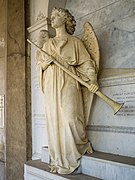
(63, 16)
(43, 37)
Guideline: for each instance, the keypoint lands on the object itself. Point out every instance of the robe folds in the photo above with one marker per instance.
(67, 139)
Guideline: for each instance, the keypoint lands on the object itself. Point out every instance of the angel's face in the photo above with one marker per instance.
(57, 19)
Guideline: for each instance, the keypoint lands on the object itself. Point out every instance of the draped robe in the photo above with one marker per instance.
(67, 139)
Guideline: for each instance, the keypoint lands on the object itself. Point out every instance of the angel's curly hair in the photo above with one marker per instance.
(70, 22)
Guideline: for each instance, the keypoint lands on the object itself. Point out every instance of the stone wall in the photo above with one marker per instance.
(2, 46)
(16, 92)
(114, 24)
(2, 85)
(13, 146)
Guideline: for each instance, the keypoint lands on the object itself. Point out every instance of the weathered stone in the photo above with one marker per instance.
(16, 95)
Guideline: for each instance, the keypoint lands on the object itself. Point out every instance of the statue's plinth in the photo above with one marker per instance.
(95, 166)
(37, 170)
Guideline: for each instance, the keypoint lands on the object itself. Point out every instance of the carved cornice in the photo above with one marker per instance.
(118, 80)
(112, 129)
(42, 22)
(40, 16)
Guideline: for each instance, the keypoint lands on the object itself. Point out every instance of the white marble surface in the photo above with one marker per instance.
(114, 25)
(36, 170)
(39, 132)
(80, 7)
(45, 155)
(38, 9)
(112, 13)
(2, 171)
(42, 8)
(32, 173)
(107, 170)
(114, 133)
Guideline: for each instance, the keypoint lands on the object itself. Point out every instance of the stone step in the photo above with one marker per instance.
(37, 170)
(103, 165)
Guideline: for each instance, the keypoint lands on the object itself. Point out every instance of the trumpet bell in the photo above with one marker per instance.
(113, 104)
(117, 107)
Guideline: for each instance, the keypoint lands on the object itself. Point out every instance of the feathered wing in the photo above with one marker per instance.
(91, 44)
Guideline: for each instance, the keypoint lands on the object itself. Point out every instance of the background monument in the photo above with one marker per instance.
(113, 21)
(115, 32)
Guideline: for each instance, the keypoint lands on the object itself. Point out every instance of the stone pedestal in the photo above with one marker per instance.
(98, 165)
(36, 170)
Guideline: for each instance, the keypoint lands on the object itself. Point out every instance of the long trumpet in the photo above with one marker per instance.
(114, 105)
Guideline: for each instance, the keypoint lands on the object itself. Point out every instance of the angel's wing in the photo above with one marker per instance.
(91, 44)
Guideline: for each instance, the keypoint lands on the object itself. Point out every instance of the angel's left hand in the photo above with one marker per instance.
(93, 84)
(93, 88)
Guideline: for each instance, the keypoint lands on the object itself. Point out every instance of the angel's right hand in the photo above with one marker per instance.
(49, 60)
(46, 63)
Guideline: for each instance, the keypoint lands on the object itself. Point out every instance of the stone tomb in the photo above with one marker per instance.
(95, 166)
(108, 133)
(114, 133)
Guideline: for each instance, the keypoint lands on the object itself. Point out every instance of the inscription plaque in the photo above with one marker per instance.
(2, 109)
(129, 99)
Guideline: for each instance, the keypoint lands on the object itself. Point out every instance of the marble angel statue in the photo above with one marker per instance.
(67, 102)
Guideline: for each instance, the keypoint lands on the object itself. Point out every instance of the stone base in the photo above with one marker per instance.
(108, 166)
(104, 166)
(37, 170)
